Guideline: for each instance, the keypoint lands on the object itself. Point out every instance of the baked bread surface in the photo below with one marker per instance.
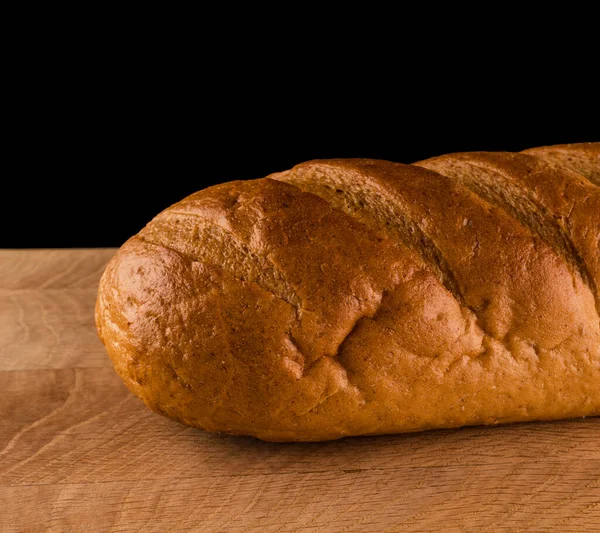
(359, 297)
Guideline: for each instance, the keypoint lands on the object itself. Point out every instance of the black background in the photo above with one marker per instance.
(102, 141)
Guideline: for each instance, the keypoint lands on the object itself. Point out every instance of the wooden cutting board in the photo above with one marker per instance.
(80, 453)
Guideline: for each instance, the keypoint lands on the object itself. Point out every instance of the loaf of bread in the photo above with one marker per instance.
(352, 297)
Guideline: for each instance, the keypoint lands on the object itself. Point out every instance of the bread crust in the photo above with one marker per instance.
(583, 158)
(359, 297)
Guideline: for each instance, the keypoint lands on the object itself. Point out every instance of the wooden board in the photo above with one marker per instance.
(80, 453)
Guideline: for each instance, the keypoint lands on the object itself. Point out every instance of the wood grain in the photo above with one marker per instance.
(79, 453)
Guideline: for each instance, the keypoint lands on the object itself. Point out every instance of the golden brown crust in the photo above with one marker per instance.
(355, 296)
(580, 157)
(557, 204)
